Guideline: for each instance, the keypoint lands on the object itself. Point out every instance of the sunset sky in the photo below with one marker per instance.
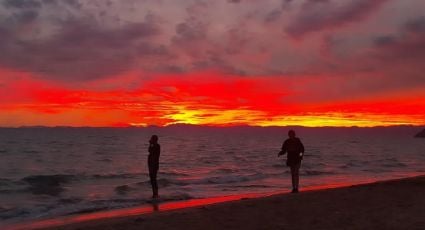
(212, 62)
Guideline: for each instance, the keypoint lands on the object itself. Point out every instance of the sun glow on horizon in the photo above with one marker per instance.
(258, 118)
(214, 101)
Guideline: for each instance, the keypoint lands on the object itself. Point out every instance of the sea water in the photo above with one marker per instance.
(51, 172)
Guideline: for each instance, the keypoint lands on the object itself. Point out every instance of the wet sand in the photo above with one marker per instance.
(396, 204)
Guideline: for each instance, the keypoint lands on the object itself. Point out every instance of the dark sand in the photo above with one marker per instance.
(396, 204)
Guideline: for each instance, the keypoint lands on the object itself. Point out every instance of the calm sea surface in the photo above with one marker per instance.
(50, 172)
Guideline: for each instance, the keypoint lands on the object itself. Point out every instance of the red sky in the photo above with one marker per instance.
(272, 62)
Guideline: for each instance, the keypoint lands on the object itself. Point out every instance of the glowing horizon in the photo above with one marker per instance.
(210, 102)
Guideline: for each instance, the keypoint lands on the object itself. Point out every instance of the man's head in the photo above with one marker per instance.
(291, 133)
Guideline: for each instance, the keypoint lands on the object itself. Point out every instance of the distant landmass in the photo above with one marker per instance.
(236, 126)
(421, 134)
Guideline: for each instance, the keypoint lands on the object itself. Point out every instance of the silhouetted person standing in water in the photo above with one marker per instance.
(295, 150)
(153, 163)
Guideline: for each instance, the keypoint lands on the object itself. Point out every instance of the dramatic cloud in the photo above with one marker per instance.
(21, 4)
(408, 47)
(212, 62)
(79, 49)
(317, 15)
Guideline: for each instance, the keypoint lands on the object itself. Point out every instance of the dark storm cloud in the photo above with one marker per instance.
(409, 46)
(25, 17)
(191, 35)
(416, 25)
(237, 41)
(193, 28)
(384, 40)
(73, 3)
(389, 63)
(286, 4)
(190, 30)
(192, 39)
(395, 58)
(215, 62)
(26, 4)
(317, 15)
(94, 39)
(80, 50)
(401, 57)
(21, 4)
(273, 15)
(52, 2)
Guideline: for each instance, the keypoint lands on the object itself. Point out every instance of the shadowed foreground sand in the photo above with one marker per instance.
(398, 204)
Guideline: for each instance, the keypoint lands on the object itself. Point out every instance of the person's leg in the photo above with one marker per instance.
(295, 177)
(154, 183)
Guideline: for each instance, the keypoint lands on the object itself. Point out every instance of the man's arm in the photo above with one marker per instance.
(283, 151)
(302, 149)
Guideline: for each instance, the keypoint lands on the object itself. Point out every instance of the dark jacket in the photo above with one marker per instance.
(293, 147)
(153, 158)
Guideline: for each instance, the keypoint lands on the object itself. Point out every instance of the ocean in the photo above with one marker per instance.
(52, 172)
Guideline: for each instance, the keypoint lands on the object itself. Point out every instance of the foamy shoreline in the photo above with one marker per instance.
(378, 200)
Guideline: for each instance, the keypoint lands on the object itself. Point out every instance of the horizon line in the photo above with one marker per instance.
(209, 126)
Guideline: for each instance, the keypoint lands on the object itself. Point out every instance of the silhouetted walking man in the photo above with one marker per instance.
(153, 163)
(295, 150)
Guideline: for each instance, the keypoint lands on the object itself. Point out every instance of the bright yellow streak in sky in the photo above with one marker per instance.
(259, 118)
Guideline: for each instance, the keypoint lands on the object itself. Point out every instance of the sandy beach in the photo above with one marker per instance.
(395, 204)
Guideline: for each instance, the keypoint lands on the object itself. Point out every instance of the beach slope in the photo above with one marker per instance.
(396, 204)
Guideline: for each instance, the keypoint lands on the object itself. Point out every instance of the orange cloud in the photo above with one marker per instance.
(205, 98)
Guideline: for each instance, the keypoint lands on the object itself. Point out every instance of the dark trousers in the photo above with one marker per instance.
(295, 174)
(153, 171)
